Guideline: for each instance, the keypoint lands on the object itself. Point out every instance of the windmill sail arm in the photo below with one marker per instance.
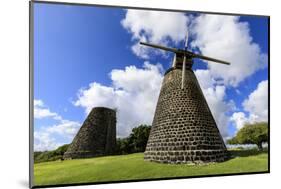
(210, 59)
(160, 47)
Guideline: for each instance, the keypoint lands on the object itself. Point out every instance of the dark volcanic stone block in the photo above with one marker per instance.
(96, 137)
(182, 116)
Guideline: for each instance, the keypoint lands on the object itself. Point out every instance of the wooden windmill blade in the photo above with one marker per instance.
(160, 47)
(209, 58)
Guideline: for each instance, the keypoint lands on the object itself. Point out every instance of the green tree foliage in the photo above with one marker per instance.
(139, 137)
(256, 133)
(136, 142)
(233, 141)
(123, 146)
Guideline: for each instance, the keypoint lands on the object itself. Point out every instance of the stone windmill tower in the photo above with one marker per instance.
(96, 137)
(183, 128)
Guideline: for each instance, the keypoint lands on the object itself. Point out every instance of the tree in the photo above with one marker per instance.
(256, 133)
(139, 137)
(233, 141)
(123, 146)
(135, 142)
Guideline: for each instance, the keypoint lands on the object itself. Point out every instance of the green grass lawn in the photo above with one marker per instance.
(132, 166)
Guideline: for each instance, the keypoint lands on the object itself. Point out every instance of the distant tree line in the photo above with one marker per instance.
(135, 142)
(50, 155)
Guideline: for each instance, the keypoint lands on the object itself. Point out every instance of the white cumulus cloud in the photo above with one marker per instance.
(43, 141)
(49, 137)
(256, 105)
(155, 27)
(134, 93)
(240, 119)
(257, 102)
(227, 38)
(65, 128)
(40, 111)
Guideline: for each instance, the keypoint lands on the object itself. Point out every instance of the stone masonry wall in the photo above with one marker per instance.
(96, 137)
(183, 128)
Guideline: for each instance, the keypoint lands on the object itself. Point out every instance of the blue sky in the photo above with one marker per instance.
(88, 56)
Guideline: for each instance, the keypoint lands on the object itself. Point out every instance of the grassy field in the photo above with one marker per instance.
(132, 166)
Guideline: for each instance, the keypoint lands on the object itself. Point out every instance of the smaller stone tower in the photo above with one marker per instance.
(96, 137)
